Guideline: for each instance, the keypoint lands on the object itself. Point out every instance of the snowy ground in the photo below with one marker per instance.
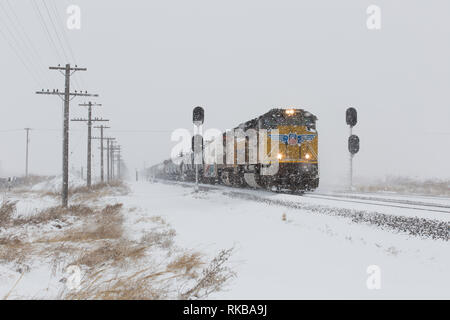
(302, 250)
(309, 255)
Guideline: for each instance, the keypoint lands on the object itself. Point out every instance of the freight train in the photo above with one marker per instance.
(277, 150)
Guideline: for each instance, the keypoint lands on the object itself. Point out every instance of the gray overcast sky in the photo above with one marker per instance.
(153, 61)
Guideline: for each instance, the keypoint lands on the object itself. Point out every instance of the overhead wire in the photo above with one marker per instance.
(46, 30)
(18, 48)
(57, 31)
(16, 21)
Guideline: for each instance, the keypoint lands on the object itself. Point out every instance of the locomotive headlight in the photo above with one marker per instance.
(307, 156)
(290, 112)
(280, 156)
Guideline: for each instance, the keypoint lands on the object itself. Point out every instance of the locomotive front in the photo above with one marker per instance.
(297, 141)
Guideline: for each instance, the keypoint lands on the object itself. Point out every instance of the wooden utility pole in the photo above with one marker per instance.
(102, 148)
(26, 154)
(113, 149)
(111, 158)
(108, 162)
(119, 161)
(109, 141)
(102, 174)
(66, 96)
(89, 121)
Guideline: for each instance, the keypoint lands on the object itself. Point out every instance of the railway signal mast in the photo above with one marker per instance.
(351, 117)
(198, 118)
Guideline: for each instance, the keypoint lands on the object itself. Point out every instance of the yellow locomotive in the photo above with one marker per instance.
(277, 150)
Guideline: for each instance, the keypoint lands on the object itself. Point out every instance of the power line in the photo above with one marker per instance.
(58, 38)
(46, 31)
(66, 38)
(76, 130)
(29, 50)
(16, 46)
(63, 32)
(55, 29)
(11, 130)
(56, 32)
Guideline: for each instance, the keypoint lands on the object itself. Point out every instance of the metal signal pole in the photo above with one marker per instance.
(66, 96)
(198, 117)
(351, 117)
(26, 155)
(89, 121)
(351, 163)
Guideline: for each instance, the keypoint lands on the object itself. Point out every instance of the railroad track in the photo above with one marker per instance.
(375, 201)
(393, 203)
(412, 225)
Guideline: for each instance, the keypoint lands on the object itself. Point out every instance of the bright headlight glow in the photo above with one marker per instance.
(290, 112)
(280, 156)
(307, 156)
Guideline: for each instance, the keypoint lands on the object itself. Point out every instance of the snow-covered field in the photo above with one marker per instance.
(309, 255)
(284, 246)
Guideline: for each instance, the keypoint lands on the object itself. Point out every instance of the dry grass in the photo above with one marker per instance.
(97, 187)
(151, 284)
(7, 210)
(112, 209)
(213, 278)
(55, 213)
(97, 191)
(94, 239)
(12, 250)
(163, 238)
(98, 225)
(116, 253)
(140, 285)
(77, 194)
(186, 264)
